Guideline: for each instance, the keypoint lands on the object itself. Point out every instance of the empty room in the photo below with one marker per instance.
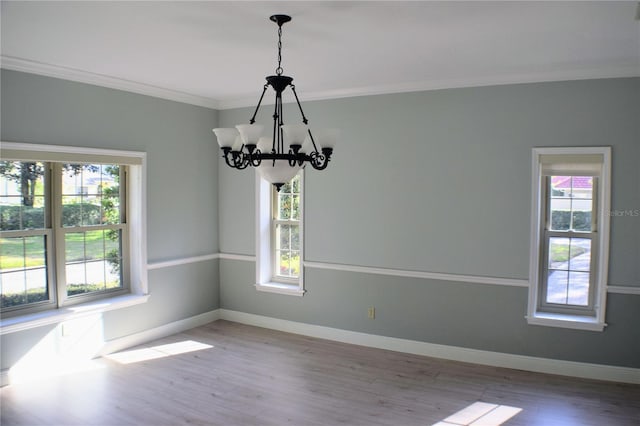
(320, 213)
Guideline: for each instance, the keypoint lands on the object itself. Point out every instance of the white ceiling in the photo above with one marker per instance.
(218, 53)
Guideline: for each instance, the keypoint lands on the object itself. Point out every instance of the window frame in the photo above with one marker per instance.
(135, 287)
(539, 312)
(265, 242)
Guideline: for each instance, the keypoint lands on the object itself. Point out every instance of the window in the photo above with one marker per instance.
(71, 228)
(285, 225)
(279, 239)
(570, 237)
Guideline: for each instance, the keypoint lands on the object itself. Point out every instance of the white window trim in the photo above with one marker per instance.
(534, 315)
(137, 187)
(264, 261)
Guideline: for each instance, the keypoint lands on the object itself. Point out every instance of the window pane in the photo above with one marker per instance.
(560, 214)
(558, 252)
(91, 194)
(557, 285)
(23, 272)
(295, 238)
(22, 203)
(93, 261)
(284, 206)
(581, 220)
(571, 199)
(569, 271)
(578, 292)
(580, 252)
(282, 263)
(295, 185)
(295, 263)
(295, 206)
(283, 236)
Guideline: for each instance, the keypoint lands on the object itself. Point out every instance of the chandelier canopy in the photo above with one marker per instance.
(279, 157)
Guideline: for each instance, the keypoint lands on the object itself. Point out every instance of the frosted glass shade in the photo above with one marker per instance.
(307, 146)
(282, 172)
(226, 137)
(250, 133)
(237, 144)
(265, 144)
(326, 138)
(294, 134)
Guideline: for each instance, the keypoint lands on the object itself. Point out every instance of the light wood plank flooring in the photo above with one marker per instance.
(255, 376)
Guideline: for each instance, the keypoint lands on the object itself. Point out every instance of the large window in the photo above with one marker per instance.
(569, 237)
(279, 236)
(65, 234)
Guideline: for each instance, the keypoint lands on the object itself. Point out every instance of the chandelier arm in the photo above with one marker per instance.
(253, 119)
(304, 119)
(313, 141)
(280, 123)
(276, 134)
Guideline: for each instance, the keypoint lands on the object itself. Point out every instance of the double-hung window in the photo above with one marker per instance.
(65, 223)
(279, 241)
(570, 233)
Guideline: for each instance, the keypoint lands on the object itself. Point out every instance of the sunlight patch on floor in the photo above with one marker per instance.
(155, 352)
(480, 414)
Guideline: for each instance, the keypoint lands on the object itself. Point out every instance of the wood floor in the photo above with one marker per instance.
(254, 376)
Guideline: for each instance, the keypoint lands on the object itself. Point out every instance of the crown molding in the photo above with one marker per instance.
(631, 70)
(49, 70)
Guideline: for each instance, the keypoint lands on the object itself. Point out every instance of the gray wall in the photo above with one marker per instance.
(433, 181)
(439, 181)
(182, 200)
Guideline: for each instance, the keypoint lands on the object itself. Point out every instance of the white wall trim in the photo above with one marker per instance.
(80, 76)
(514, 282)
(243, 257)
(475, 356)
(165, 330)
(182, 261)
(419, 274)
(623, 289)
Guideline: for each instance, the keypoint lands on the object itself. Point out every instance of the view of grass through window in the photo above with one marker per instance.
(89, 198)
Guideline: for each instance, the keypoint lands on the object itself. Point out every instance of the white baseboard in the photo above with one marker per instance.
(475, 356)
(121, 343)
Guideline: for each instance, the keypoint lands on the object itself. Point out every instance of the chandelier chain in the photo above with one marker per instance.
(279, 70)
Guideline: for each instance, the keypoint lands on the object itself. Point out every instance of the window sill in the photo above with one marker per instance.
(575, 322)
(54, 316)
(280, 288)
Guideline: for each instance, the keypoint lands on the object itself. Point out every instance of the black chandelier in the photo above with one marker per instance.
(243, 146)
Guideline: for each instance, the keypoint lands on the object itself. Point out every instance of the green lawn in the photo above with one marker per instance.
(560, 252)
(78, 246)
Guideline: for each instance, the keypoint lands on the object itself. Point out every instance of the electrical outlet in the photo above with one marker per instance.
(371, 312)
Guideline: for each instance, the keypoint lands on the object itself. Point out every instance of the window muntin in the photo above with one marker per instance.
(286, 231)
(89, 236)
